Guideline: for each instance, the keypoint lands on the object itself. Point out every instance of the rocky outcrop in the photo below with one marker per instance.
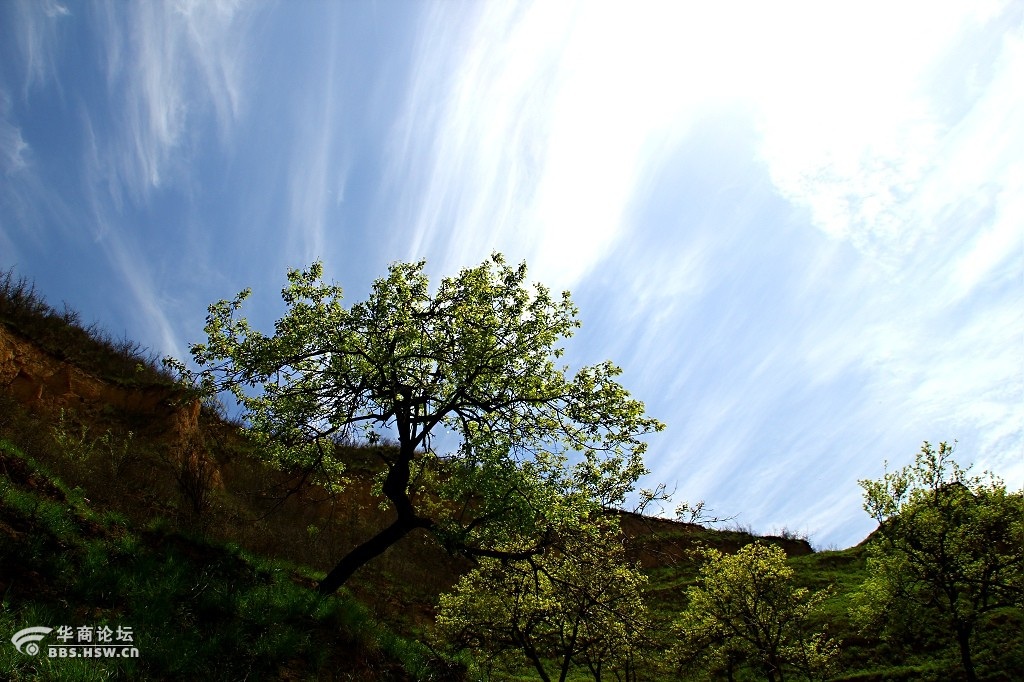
(47, 383)
(40, 380)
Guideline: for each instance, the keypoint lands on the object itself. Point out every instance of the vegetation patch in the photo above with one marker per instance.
(209, 539)
(196, 609)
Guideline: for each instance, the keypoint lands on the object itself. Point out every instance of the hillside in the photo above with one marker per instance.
(125, 501)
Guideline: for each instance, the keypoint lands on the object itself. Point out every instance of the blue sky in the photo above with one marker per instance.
(797, 226)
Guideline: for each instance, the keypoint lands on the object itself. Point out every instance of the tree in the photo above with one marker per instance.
(947, 543)
(577, 603)
(744, 608)
(470, 367)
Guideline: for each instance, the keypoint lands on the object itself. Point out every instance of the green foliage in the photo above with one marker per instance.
(76, 443)
(506, 492)
(949, 545)
(745, 608)
(577, 605)
(476, 360)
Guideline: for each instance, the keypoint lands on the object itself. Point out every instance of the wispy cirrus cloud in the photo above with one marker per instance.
(818, 307)
(36, 38)
(924, 178)
(29, 204)
(131, 262)
(153, 302)
(13, 147)
(155, 85)
(315, 164)
(796, 227)
(13, 152)
(533, 140)
(167, 64)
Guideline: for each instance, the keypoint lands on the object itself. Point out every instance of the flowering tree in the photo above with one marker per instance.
(947, 542)
(745, 608)
(578, 603)
(474, 360)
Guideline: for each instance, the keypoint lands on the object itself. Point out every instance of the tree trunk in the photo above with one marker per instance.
(531, 653)
(370, 549)
(395, 488)
(963, 638)
(569, 649)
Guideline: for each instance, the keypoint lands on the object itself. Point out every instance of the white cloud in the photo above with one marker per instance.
(131, 264)
(166, 64)
(129, 261)
(13, 148)
(995, 243)
(36, 37)
(901, 139)
(535, 143)
(536, 123)
(28, 203)
(787, 358)
(854, 131)
(314, 167)
(937, 200)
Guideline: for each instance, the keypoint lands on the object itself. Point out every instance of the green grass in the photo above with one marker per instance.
(199, 610)
(203, 609)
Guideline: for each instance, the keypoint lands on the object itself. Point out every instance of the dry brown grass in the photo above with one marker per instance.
(62, 334)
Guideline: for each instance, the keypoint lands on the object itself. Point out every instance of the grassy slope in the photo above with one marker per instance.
(122, 543)
(926, 651)
(198, 609)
